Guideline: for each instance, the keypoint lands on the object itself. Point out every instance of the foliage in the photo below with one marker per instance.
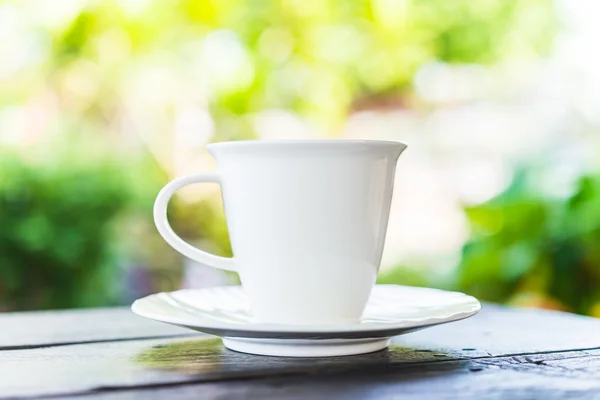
(319, 58)
(56, 241)
(533, 249)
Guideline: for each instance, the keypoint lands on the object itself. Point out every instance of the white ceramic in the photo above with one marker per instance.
(307, 221)
(225, 311)
(306, 347)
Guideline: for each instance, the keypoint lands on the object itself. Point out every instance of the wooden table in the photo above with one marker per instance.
(113, 354)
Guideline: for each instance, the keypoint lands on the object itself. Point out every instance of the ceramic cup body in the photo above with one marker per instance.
(307, 222)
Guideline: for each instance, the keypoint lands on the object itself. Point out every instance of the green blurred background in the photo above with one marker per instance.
(103, 102)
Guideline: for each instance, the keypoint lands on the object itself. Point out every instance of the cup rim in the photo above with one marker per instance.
(307, 142)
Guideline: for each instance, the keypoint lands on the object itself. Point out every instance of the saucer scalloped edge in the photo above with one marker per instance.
(224, 311)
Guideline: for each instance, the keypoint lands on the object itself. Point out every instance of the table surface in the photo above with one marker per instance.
(114, 354)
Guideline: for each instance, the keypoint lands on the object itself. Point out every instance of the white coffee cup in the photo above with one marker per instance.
(307, 221)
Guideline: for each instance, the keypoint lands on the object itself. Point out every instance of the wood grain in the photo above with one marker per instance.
(498, 330)
(504, 350)
(495, 378)
(488, 378)
(495, 330)
(36, 329)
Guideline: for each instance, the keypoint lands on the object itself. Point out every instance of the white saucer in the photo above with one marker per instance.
(224, 311)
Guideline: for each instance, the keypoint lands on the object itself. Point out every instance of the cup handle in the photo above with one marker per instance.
(165, 230)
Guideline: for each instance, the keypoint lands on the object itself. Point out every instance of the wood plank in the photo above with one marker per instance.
(127, 364)
(496, 330)
(548, 376)
(496, 378)
(116, 364)
(445, 380)
(121, 365)
(499, 330)
(35, 329)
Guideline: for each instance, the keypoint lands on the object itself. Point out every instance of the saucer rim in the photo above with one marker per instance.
(258, 330)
